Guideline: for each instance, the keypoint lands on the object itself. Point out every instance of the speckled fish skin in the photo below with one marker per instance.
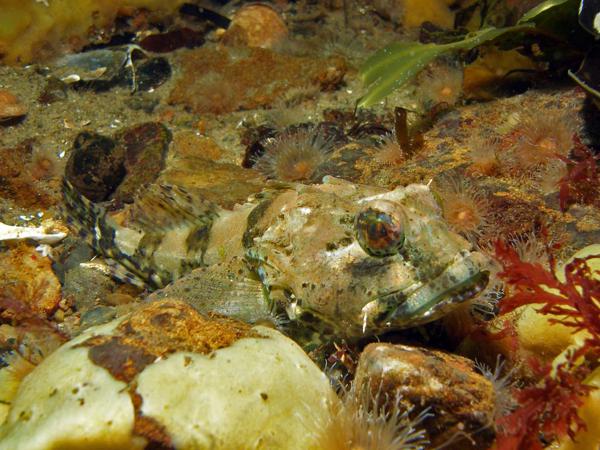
(300, 241)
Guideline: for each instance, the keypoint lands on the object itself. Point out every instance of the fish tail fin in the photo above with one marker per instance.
(82, 215)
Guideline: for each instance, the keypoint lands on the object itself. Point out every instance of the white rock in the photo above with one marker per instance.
(249, 395)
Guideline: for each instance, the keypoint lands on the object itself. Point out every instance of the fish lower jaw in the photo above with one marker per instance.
(461, 281)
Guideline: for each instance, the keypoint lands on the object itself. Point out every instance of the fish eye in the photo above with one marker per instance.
(379, 233)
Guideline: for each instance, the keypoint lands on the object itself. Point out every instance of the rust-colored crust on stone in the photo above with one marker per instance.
(155, 331)
(153, 431)
(459, 399)
(158, 329)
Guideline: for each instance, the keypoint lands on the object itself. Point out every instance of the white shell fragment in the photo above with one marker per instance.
(39, 234)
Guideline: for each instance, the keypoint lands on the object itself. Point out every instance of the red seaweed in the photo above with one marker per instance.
(581, 184)
(548, 408)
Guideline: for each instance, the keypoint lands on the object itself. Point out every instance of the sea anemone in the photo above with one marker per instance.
(299, 155)
(365, 421)
(503, 384)
(440, 84)
(484, 157)
(390, 151)
(464, 207)
(536, 140)
(45, 163)
(549, 176)
(297, 95)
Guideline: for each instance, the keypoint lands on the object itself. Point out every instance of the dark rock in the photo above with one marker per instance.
(54, 91)
(144, 148)
(95, 167)
(460, 401)
(86, 287)
(152, 73)
(172, 40)
(73, 252)
(102, 168)
(97, 316)
(255, 140)
(142, 101)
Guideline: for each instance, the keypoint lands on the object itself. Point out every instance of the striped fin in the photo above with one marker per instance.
(81, 214)
(165, 206)
(158, 238)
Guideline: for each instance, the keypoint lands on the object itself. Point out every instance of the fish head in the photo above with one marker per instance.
(352, 260)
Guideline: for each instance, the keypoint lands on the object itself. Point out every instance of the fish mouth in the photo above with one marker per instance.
(459, 282)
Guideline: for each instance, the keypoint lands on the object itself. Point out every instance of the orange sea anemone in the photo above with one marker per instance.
(366, 421)
(45, 163)
(484, 157)
(390, 151)
(299, 155)
(440, 84)
(537, 139)
(465, 207)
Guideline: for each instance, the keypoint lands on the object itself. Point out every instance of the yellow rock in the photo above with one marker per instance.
(537, 334)
(589, 412)
(418, 11)
(34, 30)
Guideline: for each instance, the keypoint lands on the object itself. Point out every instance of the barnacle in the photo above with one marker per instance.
(299, 155)
(464, 206)
(366, 421)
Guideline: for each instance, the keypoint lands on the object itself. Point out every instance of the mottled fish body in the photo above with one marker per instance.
(336, 257)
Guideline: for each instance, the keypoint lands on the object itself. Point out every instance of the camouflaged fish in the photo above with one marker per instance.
(339, 258)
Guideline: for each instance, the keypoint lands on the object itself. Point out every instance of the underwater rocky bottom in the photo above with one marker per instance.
(220, 230)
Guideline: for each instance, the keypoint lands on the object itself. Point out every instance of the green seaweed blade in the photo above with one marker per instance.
(394, 65)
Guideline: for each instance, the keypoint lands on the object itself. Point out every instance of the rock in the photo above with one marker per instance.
(221, 80)
(152, 73)
(85, 285)
(142, 102)
(28, 285)
(103, 168)
(10, 106)
(168, 377)
(256, 25)
(172, 40)
(97, 316)
(17, 184)
(460, 401)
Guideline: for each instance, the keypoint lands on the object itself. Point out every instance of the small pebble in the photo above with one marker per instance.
(10, 106)
(256, 26)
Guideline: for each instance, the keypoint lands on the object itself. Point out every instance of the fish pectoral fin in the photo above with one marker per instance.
(165, 206)
(229, 289)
